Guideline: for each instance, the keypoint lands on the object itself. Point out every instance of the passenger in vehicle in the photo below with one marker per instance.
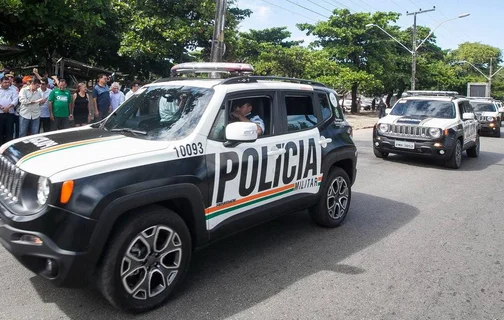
(244, 113)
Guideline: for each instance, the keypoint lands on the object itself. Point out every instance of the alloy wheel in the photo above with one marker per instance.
(151, 262)
(337, 198)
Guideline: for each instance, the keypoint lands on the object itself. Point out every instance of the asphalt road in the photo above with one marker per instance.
(420, 242)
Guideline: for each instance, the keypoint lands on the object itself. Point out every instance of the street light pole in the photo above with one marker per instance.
(413, 55)
(218, 34)
(490, 74)
(413, 52)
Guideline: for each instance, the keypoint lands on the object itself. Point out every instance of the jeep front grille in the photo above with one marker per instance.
(11, 179)
(407, 131)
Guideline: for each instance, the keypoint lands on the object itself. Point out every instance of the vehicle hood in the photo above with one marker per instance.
(418, 121)
(47, 154)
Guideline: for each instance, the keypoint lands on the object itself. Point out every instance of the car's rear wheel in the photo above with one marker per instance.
(334, 202)
(474, 151)
(456, 158)
(380, 154)
(146, 260)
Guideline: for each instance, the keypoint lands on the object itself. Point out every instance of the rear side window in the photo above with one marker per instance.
(300, 115)
(325, 106)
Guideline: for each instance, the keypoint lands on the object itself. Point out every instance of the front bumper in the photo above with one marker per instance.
(440, 148)
(40, 246)
(488, 126)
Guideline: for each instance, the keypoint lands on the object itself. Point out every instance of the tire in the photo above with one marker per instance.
(380, 154)
(456, 158)
(497, 130)
(334, 202)
(474, 151)
(132, 276)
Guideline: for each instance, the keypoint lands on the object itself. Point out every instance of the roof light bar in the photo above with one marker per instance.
(208, 67)
(432, 93)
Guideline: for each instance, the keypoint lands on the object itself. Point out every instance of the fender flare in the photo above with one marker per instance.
(346, 154)
(126, 202)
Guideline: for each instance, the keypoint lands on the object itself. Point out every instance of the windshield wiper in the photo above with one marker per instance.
(129, 130)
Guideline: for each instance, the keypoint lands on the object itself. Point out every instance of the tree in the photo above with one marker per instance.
(349, 43)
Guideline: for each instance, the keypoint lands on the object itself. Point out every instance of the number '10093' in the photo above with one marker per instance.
(189, 149)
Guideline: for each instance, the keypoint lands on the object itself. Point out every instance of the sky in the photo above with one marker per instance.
(483, 25)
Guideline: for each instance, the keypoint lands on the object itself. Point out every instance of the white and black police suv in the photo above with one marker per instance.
(488, 112)
(436, 124)
(124, 202)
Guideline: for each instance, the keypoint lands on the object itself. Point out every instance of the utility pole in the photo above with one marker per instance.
(490, 79)
(218, 35)
(413, 59)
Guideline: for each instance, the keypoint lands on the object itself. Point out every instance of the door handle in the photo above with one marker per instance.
(325, 141)
(276, 152)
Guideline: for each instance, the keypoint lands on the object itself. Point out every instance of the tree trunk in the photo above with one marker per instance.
(355, 86)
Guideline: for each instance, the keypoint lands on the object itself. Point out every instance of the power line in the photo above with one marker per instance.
(318, 5)
(294, 3)
(272, 4)
(344, 6)
(367, 4)
(357, 4)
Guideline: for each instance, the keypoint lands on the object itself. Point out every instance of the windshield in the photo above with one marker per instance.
(483, 106)
(161, 112)
(424, 109)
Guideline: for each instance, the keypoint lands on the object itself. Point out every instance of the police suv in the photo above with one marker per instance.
(436, 124)
(488, 112)
(124, 202)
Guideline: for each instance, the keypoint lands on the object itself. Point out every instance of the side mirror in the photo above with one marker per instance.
(501, 109)
(240, 132)
(387, 111)
(468, 116)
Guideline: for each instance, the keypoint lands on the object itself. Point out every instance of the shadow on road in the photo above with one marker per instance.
(244, 270)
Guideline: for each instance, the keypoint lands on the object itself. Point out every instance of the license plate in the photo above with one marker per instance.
(404, 145)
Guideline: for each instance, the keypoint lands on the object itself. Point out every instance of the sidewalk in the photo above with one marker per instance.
(362, 120)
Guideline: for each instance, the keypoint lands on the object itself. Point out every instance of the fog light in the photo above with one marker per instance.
(377, 144)
(441, 152)
(51, 267)
(492, 125)
(31, 239)
(437, 145)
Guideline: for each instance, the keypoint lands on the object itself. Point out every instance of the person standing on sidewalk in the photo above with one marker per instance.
(8, 100)
(101, 98)
(60, 106)
(381, 107)
(29, 110)
(45, 117)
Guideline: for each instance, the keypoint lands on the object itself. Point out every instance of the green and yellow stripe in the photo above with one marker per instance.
(212, 212)
(65, 146)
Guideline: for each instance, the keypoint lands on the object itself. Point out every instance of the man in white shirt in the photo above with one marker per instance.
(8, 100)
(244, 113)
(45, 116)
(116, 96)
(29, 110)
(134, 87)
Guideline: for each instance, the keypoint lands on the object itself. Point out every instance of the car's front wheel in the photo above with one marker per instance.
(456, 158)
(380, 154)
(474, 151)
(146, 259)
(334, 202)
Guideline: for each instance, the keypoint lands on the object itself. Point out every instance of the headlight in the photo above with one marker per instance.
(435, 132)
(383, 127)
(490, 119)
(43, 189)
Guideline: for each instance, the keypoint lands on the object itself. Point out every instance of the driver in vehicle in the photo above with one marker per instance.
(244, 113)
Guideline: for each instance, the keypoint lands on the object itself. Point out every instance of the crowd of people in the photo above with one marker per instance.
(35, 103)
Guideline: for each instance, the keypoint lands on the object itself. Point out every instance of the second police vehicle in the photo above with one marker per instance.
(435, 124)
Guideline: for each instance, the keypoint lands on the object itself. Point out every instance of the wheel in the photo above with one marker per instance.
(380, 154)
(145, 260)
(474, 151)
(336, 193)
(456, 158)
